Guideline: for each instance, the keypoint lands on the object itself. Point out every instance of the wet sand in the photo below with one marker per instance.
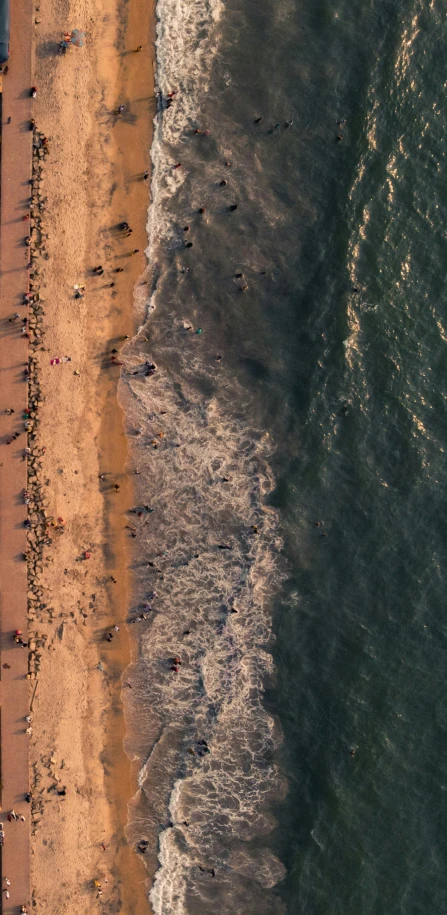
(92, 180)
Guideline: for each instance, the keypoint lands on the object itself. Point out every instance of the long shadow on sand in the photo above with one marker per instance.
(48, 49)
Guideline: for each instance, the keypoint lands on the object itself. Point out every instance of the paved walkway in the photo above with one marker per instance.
(16, 161)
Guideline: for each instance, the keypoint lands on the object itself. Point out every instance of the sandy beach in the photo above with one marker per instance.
(89, 172)
(221, 524)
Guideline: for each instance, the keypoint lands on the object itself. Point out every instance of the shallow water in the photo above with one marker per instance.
(295, 758)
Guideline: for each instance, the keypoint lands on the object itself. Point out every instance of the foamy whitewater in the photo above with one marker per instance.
(205, 742)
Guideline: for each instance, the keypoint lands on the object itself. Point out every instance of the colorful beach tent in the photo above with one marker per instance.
(77, 38)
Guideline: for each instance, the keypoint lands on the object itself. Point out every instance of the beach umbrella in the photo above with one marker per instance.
(77, 38)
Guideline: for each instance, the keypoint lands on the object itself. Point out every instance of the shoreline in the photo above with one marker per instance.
(78, 715)
(120, 783)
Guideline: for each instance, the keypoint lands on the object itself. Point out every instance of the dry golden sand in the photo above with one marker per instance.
(92, 180)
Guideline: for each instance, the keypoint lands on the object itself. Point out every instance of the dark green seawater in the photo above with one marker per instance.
(361, 639)
(301, 482)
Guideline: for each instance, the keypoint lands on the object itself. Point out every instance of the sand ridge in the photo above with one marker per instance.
(16, 145)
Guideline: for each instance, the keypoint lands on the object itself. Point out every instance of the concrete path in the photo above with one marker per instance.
(16, 164)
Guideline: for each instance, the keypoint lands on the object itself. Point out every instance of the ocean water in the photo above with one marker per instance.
(290, 533)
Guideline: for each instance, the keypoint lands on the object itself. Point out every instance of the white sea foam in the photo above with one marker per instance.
(205, 474)
(187, 42)
(222, 599)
